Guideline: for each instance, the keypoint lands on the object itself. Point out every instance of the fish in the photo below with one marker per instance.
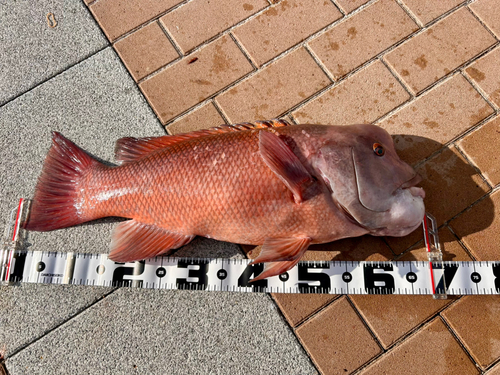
(267, 183)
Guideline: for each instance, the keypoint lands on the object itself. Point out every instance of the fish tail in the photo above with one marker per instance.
(55, 204)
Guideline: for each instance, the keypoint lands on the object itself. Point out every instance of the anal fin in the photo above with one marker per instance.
(282, 253)
(133, 240)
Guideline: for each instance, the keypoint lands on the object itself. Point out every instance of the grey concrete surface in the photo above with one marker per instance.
(31, 51)
(29, 311)
(169, 332)
(70, 329)
(93, 103)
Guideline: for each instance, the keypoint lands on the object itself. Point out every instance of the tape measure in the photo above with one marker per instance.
(433, 277)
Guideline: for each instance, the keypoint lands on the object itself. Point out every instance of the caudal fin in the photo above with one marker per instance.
(55, 203)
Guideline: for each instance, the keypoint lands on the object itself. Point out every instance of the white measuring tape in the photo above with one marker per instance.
(434, 277)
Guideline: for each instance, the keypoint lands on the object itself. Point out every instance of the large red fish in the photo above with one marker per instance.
(268, 183)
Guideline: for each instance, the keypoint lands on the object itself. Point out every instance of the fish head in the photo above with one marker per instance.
(369, 182)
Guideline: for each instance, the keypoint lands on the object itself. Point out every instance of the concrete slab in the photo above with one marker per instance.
(93, 103)
(31, 51)
(29, 311)
(169, 332)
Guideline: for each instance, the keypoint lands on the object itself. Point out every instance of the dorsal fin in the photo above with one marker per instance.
(131, 149)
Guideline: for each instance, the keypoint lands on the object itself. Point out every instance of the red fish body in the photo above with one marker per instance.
(251, 184)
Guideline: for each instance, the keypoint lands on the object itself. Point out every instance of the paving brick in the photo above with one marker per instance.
(337, 349)
(489, 12)
(451, 248)
(495, 370)
(116, 17)
(446, 45)
(200, 75)
(481, 146)
(363, 36)
(402, 313)
(479, 228)
(486, 73)
(432, 350)
(283, 25)
(362, 98)
(450, 183)
(349, 5)
(145, 51)
(435, 118)
(391, 317)
(298, 307)
(400, 244)
(428, 10)
(273, 90)
(199, 20)
(475, 321)
(202, 118)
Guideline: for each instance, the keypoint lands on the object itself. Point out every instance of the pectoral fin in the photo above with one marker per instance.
(133, 240)
(283, 253)
(284, 163)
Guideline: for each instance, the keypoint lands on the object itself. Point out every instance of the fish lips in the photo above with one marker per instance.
(411, 184)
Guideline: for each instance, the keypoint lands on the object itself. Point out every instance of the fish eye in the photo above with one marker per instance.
(378, 149)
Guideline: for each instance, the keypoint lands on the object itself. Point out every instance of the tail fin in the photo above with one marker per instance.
(55, 203)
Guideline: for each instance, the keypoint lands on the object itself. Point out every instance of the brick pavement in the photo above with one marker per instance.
(427, 71)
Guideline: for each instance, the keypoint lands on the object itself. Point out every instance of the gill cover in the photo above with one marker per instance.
(368, 180)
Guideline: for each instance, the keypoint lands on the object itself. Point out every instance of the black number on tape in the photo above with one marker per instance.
(161, 272)
(305, 275)
(449, 273)
(496, 272)
(347, 277)
(221, 274)
(378, 283)
(475, 277)
(252, 269)
(200, 274)
(411, 277)
(284, 277)
(120, 272)
(19, 259)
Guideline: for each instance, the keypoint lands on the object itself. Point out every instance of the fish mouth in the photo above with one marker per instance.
(411, 185)
(411, 182)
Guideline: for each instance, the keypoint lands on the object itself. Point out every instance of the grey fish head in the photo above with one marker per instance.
(368, 181)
